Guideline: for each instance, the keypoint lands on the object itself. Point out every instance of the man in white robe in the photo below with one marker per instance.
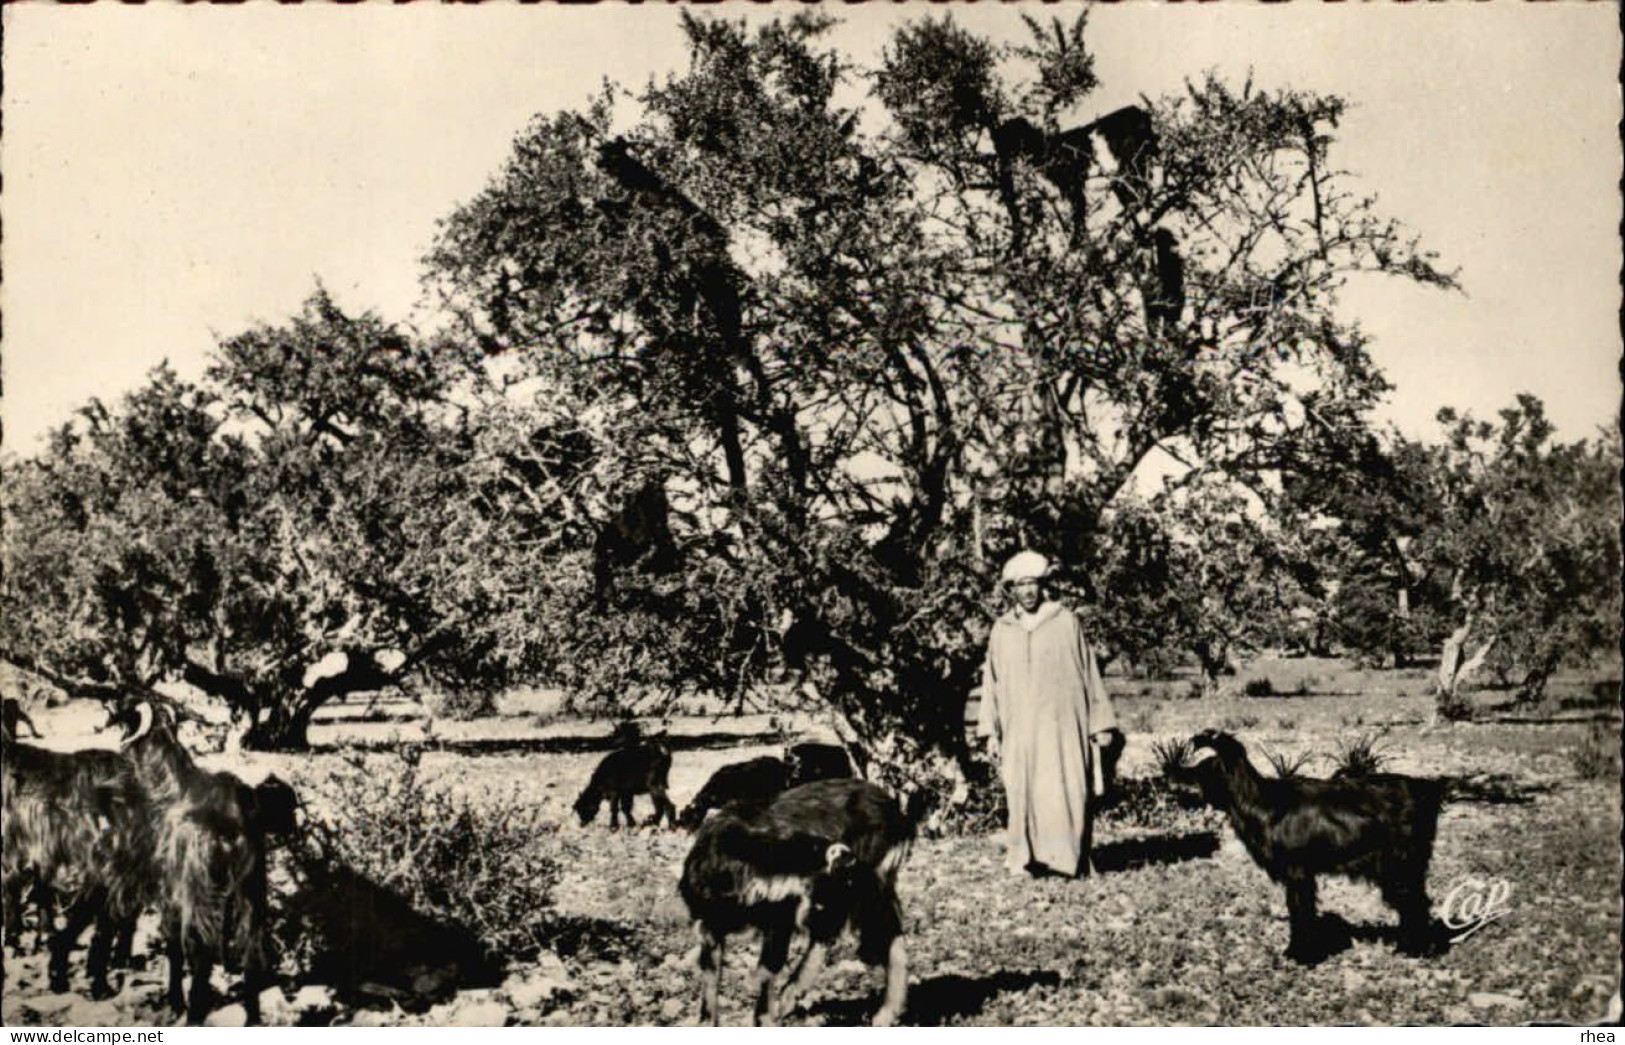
(1047, 716)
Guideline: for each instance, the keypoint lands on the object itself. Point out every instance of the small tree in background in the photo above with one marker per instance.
(317, 519)
(1200, 569)
(1524, 533)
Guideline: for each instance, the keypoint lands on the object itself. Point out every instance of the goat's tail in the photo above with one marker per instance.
(1428, 796)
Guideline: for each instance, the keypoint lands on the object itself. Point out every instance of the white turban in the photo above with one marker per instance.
(1026, 566)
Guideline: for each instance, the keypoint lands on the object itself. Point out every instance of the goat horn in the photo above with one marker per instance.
(143, 713)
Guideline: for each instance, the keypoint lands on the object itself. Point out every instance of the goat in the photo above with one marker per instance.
(1378, 828)
(624, 774)
(813, 861)
(754, 782)
(813, 761)
(81, 822)
(12, 715)
(210, 860)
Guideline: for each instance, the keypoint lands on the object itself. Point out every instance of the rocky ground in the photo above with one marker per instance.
(1179, 928)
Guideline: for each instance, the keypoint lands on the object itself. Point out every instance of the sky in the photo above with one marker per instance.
(174, 175)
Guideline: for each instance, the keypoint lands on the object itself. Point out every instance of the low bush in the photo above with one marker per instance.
(1287, 766)
(1171, 756)
(1360, 756)
(484, 867)
(1596, 757)
(1160, 803)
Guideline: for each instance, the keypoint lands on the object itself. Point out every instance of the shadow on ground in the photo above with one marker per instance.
(1157, 849)
(936, 1001)
(580, 936)
(1334, 934)
(372, 946)
(1494, 789)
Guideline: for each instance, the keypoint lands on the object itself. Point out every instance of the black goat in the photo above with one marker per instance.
(753, 782)
(210, 860)
(76, 822)
(12, 715)
(814, 761)
(1378, 828)
(815, 860)
(624, 774)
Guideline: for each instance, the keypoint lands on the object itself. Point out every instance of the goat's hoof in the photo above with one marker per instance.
(1305, 954)
(101, 991)
(885, 1018)
(1426, 947)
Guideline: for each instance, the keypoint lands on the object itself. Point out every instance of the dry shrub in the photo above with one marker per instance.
(484, 867)
(1596, 757)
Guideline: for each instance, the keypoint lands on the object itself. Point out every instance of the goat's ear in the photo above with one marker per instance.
(274, 805)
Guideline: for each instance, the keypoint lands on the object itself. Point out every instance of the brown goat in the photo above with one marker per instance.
(77, 822)
(209, 830)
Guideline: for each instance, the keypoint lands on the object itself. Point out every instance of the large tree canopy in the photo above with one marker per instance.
(867, 363)
(306, 524)
(772, 372)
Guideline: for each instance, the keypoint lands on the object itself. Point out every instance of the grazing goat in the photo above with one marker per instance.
(11, 716)
(753, 782)
(77, 822)
(624, 774)
(210, 860)
(812, 761)
(1378, 828)
(815, 860)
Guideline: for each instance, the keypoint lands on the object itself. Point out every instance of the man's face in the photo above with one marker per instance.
(1028, 593)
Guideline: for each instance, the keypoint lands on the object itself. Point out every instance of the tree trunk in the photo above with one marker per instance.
(922, 755)
(1213, 660)
(284, 728)
(1454, 671)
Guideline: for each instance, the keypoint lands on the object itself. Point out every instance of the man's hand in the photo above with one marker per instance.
(992, 749)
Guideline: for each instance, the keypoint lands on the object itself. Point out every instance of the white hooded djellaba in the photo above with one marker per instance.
(1043, 698)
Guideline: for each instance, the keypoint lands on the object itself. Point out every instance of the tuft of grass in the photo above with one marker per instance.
(1360, 756)
(1306, 685)
(1237, 723)
(1259, 687)
(1172, 756)
(1597, 755)
(1287, 766)
(1286, 722)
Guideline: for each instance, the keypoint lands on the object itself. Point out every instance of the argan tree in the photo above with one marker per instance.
(321, 516)
(866, 350)
(1522, 533)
